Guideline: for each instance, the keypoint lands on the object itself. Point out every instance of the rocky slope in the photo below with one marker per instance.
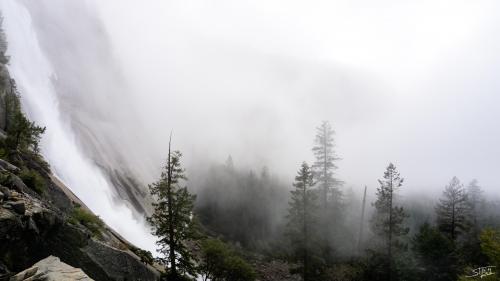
(34, 226)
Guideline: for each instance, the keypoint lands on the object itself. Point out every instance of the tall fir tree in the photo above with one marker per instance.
(324, 167)
(453, 210)
(172, 219)
(388, 219)
(328, 190)
(302, 221)
(471, 242)
(435, 254)
(476, 202)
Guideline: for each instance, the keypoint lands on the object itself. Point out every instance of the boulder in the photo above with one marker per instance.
(1, 196)
(51, 269)
(19, 207)
(5, 191)
(119, 264)
(4, 271)
(18, 184)
(3, 134)
(9, 167)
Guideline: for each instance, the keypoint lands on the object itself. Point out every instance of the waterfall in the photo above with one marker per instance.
(35, 77)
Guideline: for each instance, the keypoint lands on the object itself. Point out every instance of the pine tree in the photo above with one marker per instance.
(22, 134)
(172, 219)
(324, 167)
(302, 220)
(476, 200)
(328, 190)
(387, 221)
(471, 242)
(436, 254)
(453, 210)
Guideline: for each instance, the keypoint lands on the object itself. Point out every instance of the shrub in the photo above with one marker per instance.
(219, 262)
(33, 180)
(238, 269)
(145, 256)
(490, 245)
(87, 219)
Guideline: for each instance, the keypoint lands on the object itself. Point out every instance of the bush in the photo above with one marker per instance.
(166, 276)
(145, 256)
(33, 180)
(22, 134)
(219, 262)
(87, 219)
(238, 269)
(490, 244)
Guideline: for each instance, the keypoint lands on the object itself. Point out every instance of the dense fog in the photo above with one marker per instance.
(253, 81)
(242, 88)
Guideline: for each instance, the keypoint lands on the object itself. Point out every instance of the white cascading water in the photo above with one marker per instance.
(34, 76)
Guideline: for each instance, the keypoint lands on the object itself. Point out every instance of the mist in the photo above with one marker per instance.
(240, 89)
(253, 81)
(257, 78)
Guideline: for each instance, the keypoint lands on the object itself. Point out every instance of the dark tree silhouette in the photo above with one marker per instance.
(453, 210)
(387, 221)
(172, 219)
(302, 219)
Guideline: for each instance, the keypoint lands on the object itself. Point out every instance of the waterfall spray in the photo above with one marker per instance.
(34, 77)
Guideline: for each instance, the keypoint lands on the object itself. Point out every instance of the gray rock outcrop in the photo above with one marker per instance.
(33, 227)
(51, 269)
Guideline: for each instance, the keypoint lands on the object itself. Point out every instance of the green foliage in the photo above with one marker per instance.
(490, 245)
(388, 219)
(348, 271)
(214, 254)
(87, 219)
(220, 263)
(331, 217)
(145, 256)
(453, 210)
(22, 134)
(33, 180)
(375, 266)
(238, 269)
(302, 226)
(324, 166)
(169, 276)
(172, 219)
(436, 254)
(257, 201)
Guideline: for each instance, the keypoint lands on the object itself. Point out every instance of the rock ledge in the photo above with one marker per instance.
(51, 269)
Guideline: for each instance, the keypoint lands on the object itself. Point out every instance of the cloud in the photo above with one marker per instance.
(403, 81)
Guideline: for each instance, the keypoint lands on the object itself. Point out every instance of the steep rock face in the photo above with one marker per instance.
(40, 229)
(51, 269)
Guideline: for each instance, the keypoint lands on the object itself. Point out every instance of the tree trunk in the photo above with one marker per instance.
(360, 237)
(453, 221)
(304, 218)
(171, 237)
(390, 228)
(325, 182)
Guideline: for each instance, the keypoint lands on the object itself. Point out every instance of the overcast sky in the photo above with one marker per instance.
(412, 82)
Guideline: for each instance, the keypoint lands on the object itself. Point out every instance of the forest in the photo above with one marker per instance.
(319, 228)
